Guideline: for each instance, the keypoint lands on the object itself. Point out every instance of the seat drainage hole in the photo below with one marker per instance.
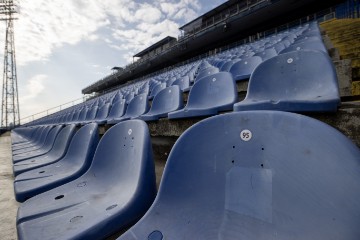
(111, 207)
(262, 149)
(233, 161)
(75, 219)
(155, 235)
(42, 172)
(59, 197)
(262, 165)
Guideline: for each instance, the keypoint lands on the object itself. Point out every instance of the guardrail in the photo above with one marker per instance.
(53, 110)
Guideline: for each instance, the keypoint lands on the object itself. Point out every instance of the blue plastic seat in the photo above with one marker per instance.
(300, 81)
(206, 72)
(82, 115)
(23, 135)
(306, 45)
(114, 193)
(167, 100)
(183, 83)
(57, 151)
(257, 175)
(117, 110)
(75, 163)
(241, 70)
(129, 96)
(227, 65)
(208, 96)
(35, 152)
(91, 114)
(36, 143)
(157, 89)
(18, 137)
(267, 53)
(101, 115)
(138, 106)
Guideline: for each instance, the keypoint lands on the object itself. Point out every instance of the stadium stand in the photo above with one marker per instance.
(57, 151)
(23, 154)
(248, 175)
(115, 192)
(76, 161)
(297, 81)
(262, 166)
(137, 106)
(167, 100)
(208, 96)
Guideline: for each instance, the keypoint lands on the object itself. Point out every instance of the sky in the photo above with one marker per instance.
(63, 46)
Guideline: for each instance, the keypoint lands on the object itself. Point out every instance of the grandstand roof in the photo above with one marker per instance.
(154, 46)
(209, 14)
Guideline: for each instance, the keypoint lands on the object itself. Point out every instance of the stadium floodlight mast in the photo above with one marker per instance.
(10, 112)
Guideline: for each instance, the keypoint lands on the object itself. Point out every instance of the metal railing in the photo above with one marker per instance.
(53, 110)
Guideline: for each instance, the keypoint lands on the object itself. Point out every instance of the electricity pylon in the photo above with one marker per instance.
(10, 112)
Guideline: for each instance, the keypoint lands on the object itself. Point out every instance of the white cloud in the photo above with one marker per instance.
(187, 7)
(144, 35)
(44, 26)
(30, 101)
(147, 14)
(33, 88)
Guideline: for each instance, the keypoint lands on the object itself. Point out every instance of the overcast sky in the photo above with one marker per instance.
(62, 46)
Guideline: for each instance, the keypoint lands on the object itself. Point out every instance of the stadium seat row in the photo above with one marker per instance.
(283, 70)
(262, 173)
(245, 174)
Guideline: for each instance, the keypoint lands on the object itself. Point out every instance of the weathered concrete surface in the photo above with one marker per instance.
(343, 71)
(8, 205)
(346, 120)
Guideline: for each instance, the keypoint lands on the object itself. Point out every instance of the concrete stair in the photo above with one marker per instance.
(344, 34)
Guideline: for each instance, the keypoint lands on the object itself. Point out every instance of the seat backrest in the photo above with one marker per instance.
(103, 112)
(92, 113)
(117, 109)
(167, 100)
(43, 134)
(62, 141)
(157, 89)
(82, 146)
(306, 45)
(129, 97)
(257, 174)
(83, 113)
(75, 116)
(226, 66)
(302, 75)
(118, 96)
(50, 139)
(183, 82)
(138, 106)
(206, 72)
(123, 150)
(244, 68)
(214, 90)
(267, 53)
